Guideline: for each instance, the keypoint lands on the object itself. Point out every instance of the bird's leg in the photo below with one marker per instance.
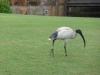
(65, 49)
(52, 50)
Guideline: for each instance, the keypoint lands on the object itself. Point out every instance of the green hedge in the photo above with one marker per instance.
(4, 6)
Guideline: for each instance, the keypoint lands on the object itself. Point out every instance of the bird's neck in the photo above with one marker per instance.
(74, 35)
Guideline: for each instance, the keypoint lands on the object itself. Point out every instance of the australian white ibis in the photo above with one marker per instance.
(65, 33)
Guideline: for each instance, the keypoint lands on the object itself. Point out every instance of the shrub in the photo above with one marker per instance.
(4, 6)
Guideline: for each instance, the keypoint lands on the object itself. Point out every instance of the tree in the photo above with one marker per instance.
(4, 6)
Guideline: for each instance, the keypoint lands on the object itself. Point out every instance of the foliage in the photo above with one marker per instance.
(4, 6)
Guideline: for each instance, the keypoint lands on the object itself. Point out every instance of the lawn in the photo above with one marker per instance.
(25, 50)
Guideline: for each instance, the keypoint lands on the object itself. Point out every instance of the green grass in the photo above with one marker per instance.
(25, 50)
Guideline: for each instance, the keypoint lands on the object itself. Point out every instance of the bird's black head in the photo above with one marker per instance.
(80, 32)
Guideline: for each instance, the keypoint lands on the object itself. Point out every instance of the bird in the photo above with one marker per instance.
(65, 33)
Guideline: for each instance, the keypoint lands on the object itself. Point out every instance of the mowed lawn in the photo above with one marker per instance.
(25, 49)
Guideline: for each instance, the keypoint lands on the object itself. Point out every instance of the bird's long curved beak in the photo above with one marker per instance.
(83, 39)
(80, 32)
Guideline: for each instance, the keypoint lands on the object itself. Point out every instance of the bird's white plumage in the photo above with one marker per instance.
(65, 33)
(64, 28)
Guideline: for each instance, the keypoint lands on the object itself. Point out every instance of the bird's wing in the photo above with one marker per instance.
(63, 28)
(65, 34)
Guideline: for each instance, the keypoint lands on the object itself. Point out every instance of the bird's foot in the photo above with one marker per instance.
(52, 52)
(66, 55)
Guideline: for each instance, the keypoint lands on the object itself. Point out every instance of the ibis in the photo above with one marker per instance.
(65, 33)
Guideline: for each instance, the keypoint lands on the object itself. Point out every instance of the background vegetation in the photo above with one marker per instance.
(4, 6)
(25, 50)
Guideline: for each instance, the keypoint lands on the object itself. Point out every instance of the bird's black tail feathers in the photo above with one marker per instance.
(53, 36)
